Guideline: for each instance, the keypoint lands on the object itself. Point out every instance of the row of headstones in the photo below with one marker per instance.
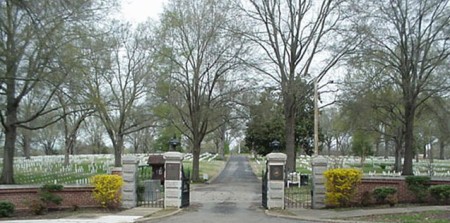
(67, 179)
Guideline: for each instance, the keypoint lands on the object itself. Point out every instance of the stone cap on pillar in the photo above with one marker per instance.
(130, 160)
(319, 161)
(173, 156)
(276, 157)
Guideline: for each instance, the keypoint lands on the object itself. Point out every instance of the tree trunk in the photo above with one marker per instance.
(424, 152)
(69, 144)
(196, 161)
(377, 147)
(289, 130)
(430, 156)
(10, 129)
(290, 143)
(329, 143)
(118, 147)
(222, 139)
(409, 139)
(26, 143)
(441, 149)
(386, 148)
(398, 150)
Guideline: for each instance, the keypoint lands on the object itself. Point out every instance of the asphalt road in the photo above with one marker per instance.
(235, 196)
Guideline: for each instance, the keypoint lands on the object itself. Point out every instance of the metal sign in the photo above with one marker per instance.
(276, 172)
(172, 171)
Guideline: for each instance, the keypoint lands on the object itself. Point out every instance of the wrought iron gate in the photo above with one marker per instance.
(150, 193)
(297, 193)
(185, 188)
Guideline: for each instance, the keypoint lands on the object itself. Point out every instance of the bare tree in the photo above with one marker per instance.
(292, 34)
(205, 48)
(117, 80)
(410, 40)
(32, 33)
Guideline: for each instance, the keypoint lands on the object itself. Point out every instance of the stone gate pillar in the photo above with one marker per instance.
(129, 175)
(275, 183)
(172, 182)
(319, 166)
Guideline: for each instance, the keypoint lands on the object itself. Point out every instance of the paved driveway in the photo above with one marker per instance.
(235, 196)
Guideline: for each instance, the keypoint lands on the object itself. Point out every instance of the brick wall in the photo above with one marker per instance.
(21, 195)
(403, 194)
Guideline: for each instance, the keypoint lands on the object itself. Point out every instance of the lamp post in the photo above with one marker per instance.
(173, 143)
(275, 145)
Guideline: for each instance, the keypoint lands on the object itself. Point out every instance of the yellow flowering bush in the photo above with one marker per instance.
(341, 185)
(107, 190)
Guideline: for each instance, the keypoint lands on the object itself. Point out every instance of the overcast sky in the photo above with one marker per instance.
(140, 10)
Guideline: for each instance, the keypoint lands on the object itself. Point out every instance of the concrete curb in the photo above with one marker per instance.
(268, 213)
(337, 218)
(143, 219)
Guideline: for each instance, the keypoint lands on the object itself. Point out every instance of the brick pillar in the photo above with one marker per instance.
(129, 174)
(275, 185)
(319, 166)
(172, 176)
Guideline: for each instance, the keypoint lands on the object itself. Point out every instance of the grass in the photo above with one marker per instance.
(257, 168)
(211, 169)
(303, 170)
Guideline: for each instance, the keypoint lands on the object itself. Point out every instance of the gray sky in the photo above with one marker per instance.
(140, 10)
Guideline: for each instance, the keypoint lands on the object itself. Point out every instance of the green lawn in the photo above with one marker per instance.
(211, 169)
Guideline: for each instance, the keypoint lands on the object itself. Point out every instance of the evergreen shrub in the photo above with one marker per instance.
(6, 208)
(419, 186)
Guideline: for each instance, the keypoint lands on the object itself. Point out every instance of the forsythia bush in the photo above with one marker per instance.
(107, 190)
(341, 185)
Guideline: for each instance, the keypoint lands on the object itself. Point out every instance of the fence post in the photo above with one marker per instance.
(319, 166)
(129, 174)
(275, 184)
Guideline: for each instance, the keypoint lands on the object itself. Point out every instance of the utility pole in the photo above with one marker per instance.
(316, 119)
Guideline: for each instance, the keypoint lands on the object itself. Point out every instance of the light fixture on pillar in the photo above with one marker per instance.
(173, 143)
(275, 146)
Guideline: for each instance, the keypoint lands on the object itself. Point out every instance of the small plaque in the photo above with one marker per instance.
(276, 172)
(172, 171)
